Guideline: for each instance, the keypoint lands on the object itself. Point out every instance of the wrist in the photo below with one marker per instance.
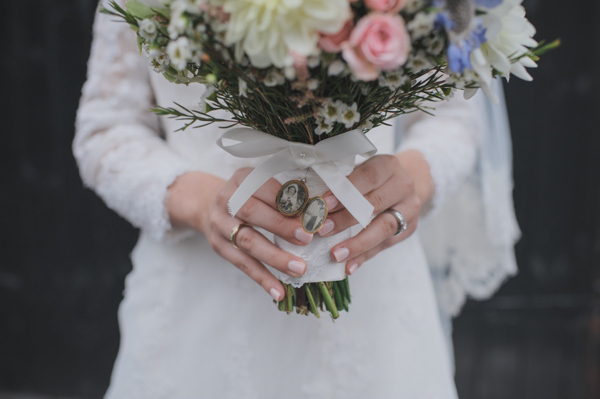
(190, 199)
(415, 164)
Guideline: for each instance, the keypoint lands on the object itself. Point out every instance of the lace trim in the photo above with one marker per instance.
(117, 144)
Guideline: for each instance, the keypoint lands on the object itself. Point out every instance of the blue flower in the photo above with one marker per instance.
(459, 57)
(488, 3)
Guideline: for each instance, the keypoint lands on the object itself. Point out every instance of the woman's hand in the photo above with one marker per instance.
(199, 200)
(401, 182)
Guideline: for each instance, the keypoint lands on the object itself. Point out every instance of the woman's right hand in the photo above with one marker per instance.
(199, 200)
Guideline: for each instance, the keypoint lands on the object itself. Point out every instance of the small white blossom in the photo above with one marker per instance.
(193, 6)
(148, 29)
(335, 68)
(412, 6)
(178, 22)
(393, 80)
(323, 127)
(274, 78)
(289, 72)
(461, 81)
(421, 25)
(180, 53)
(313, 61)
(419, 61)
(243, 87)
(312, 84)
(434, 45)
(331, 110)
(367, 124)
(158, 63)
(349, 115)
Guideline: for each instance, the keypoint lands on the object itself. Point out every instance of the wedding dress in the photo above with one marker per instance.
(193, 326)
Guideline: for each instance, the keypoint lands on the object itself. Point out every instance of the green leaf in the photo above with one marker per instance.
(139, 10)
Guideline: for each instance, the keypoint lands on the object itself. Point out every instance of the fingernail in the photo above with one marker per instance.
(297, 267)
(274, 293)
(340, 254)
(303, 236)
(327, 227)
(331, 201)
(352, 268)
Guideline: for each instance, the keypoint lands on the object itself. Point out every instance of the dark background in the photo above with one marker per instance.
(64, 255)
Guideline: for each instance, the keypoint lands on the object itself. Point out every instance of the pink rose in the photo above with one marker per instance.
(385, 5)
(333, 43)
(378, 42)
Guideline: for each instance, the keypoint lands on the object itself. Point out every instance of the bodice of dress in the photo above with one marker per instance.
(130, 157)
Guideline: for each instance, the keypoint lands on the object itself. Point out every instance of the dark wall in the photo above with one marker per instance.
(64, 255)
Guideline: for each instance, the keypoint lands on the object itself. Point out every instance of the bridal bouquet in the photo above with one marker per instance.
(305, 79)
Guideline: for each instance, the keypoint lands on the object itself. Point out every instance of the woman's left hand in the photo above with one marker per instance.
(386, 184)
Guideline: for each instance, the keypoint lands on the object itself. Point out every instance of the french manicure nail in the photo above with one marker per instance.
(274, 293)
(303, 236)
(331, 201)
(296, 267)
(340, 254)
(352, 268)
(327, 227)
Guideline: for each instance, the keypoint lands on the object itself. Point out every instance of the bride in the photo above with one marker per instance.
(194, 326)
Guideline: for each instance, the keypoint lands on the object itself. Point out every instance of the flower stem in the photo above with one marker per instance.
(311, 301)
(329, 302)
(337, 294)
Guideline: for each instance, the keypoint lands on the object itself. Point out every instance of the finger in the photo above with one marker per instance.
(259, 214)
(267, 193)
(253, 268)
(381, 228)
(390, 193)
(372, 174)
(256, 245)
(353, 264)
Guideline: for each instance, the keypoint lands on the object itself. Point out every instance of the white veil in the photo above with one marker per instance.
(469, 243)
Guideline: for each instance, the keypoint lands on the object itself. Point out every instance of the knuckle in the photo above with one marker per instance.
(390, 225)
(370, 173)
(377, 201)
(417, 203)
(244, 266)
(245, 239)
(222, 197)
(248, 210)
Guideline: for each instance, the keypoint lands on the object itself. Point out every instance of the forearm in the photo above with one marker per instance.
(190, 198)
(417, 167)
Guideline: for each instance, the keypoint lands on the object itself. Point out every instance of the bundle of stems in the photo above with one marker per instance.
(332, 296)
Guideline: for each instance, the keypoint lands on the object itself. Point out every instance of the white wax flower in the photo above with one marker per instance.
(349, 115)
(335, 68)
(148, 29)
(323, 127)
(421, 25)
(331, 110)
(267, 30)
(180, 53)
(274, 78)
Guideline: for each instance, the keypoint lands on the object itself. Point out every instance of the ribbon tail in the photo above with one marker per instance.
(345, 192)
(278, 163)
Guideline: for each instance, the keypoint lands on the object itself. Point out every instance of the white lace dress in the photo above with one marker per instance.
(192, 325)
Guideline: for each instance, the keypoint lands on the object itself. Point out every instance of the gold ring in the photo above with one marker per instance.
(234, 233)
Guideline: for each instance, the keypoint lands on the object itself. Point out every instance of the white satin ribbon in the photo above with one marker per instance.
(287, 155)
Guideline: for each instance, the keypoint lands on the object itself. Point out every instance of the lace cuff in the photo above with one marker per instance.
(133, 177)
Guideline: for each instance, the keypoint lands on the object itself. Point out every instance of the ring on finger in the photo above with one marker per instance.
(234, 233)
(402, 225)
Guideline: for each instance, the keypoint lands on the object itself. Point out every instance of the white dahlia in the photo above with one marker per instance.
(509, 34)
(267, 30)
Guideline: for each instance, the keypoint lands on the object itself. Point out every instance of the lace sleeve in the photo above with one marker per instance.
(117, 144)
(449, 142)
(470, 235)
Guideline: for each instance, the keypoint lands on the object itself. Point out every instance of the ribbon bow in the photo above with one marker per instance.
(287, 155)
